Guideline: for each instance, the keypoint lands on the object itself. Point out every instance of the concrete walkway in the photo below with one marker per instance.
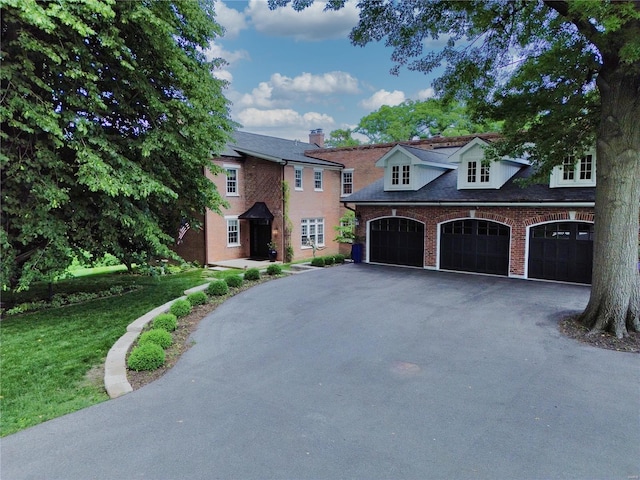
(370, 372)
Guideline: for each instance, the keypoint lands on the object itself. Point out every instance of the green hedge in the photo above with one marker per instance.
(252, 274)
(159, 336)
(146, 357)
(234, 281)
(217, 288)
(180, 308)
(197, 298)
(166, 321)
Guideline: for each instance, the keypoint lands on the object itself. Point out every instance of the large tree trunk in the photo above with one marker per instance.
(614, 305)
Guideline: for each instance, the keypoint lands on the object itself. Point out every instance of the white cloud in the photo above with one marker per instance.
(310, 24)
(223, 75)
(281, 90)
(282, 117)
(383, 97)
(232, 20)
(326, 83)
(217, 51)
(426, 94)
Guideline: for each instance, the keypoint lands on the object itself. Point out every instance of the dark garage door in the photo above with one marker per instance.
(561, 251)
(475, 246)
(398, 241)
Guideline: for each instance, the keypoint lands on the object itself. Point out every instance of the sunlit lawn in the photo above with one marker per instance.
(45, 356)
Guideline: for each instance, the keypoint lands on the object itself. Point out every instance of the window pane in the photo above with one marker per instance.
(395, 175)
(471, 172)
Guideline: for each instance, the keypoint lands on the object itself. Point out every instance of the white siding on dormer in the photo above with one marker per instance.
(424, 174)
(399, 158)
(499, 171)
(557, 178)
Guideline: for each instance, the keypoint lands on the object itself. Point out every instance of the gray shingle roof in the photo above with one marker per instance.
(273, 148)
(444, 190)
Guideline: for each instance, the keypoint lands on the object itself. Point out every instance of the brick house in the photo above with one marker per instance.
(435, 205)
(259, 212)
(428, 203)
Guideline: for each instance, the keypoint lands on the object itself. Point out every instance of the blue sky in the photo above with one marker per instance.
(291, 72)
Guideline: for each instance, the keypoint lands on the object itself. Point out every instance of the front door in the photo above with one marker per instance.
(260, 234)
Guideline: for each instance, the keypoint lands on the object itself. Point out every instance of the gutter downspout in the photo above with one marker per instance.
(284, 227)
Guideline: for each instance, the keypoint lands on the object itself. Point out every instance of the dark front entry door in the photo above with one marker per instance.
(398, 241)
(260, 237)
(561, 251)
(475, 246)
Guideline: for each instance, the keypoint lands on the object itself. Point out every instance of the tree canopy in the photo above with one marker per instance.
(563, 76)
(110, 114)
(421, 119)
(342, 138)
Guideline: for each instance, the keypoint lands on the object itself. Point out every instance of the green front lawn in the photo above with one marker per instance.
(46, 355)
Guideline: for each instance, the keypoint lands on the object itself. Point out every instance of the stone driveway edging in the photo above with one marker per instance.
(115, 368)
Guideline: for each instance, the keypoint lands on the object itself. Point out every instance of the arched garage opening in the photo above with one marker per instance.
(397, 241)
(561, 251)
(473, 245)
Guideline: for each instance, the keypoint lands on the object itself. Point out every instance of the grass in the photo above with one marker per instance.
(46, 356)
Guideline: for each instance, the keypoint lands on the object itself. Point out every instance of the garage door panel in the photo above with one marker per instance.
(475, 246)
(397, 241)
(561, 251)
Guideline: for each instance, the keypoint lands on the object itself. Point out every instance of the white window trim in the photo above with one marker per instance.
(306, 246)
(226, 185)
(321, 172)
(346, 170)
(557, 175)
(301, 170)
(228, 219)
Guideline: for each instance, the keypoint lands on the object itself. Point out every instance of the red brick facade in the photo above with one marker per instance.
(517, 218)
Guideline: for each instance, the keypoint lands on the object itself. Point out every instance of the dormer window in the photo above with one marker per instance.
(575, 173)
(472, 172)
(406, 174)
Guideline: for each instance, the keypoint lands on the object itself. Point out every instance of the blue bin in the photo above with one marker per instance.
(356, 252)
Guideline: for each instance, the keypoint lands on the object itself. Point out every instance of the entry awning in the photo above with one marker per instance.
(259, 211)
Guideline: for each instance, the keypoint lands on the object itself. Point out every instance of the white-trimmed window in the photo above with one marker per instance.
(297, 172)
(575, 172)
(406, 174)
(484, 173)
(312, 232)
(395, 175)
(317, 179)
(233, 232)
(232, 181)
(347, 182)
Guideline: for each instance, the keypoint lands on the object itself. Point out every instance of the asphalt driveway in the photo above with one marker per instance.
(367, 372)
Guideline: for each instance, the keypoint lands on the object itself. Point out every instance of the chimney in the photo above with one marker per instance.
(317, 136)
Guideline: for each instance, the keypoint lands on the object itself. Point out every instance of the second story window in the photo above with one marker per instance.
(472, 171)
(568, 169)
(484, 173)
(586, 168)
(317, 179)
(298, 178)
(395, 175)
(232, 181)
(347, 182)
(406, 171)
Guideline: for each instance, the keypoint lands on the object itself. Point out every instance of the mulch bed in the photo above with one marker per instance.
(571, 328)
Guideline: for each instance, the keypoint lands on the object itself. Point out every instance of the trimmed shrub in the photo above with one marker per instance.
(166, 321)
(197, 298)
(217, 288)
(234, 281)
(329, 260)
(180, 308)
(146, 357)
(159, 336)
(252, 274)
(339, 258)
(274, 269)
(317, 262)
